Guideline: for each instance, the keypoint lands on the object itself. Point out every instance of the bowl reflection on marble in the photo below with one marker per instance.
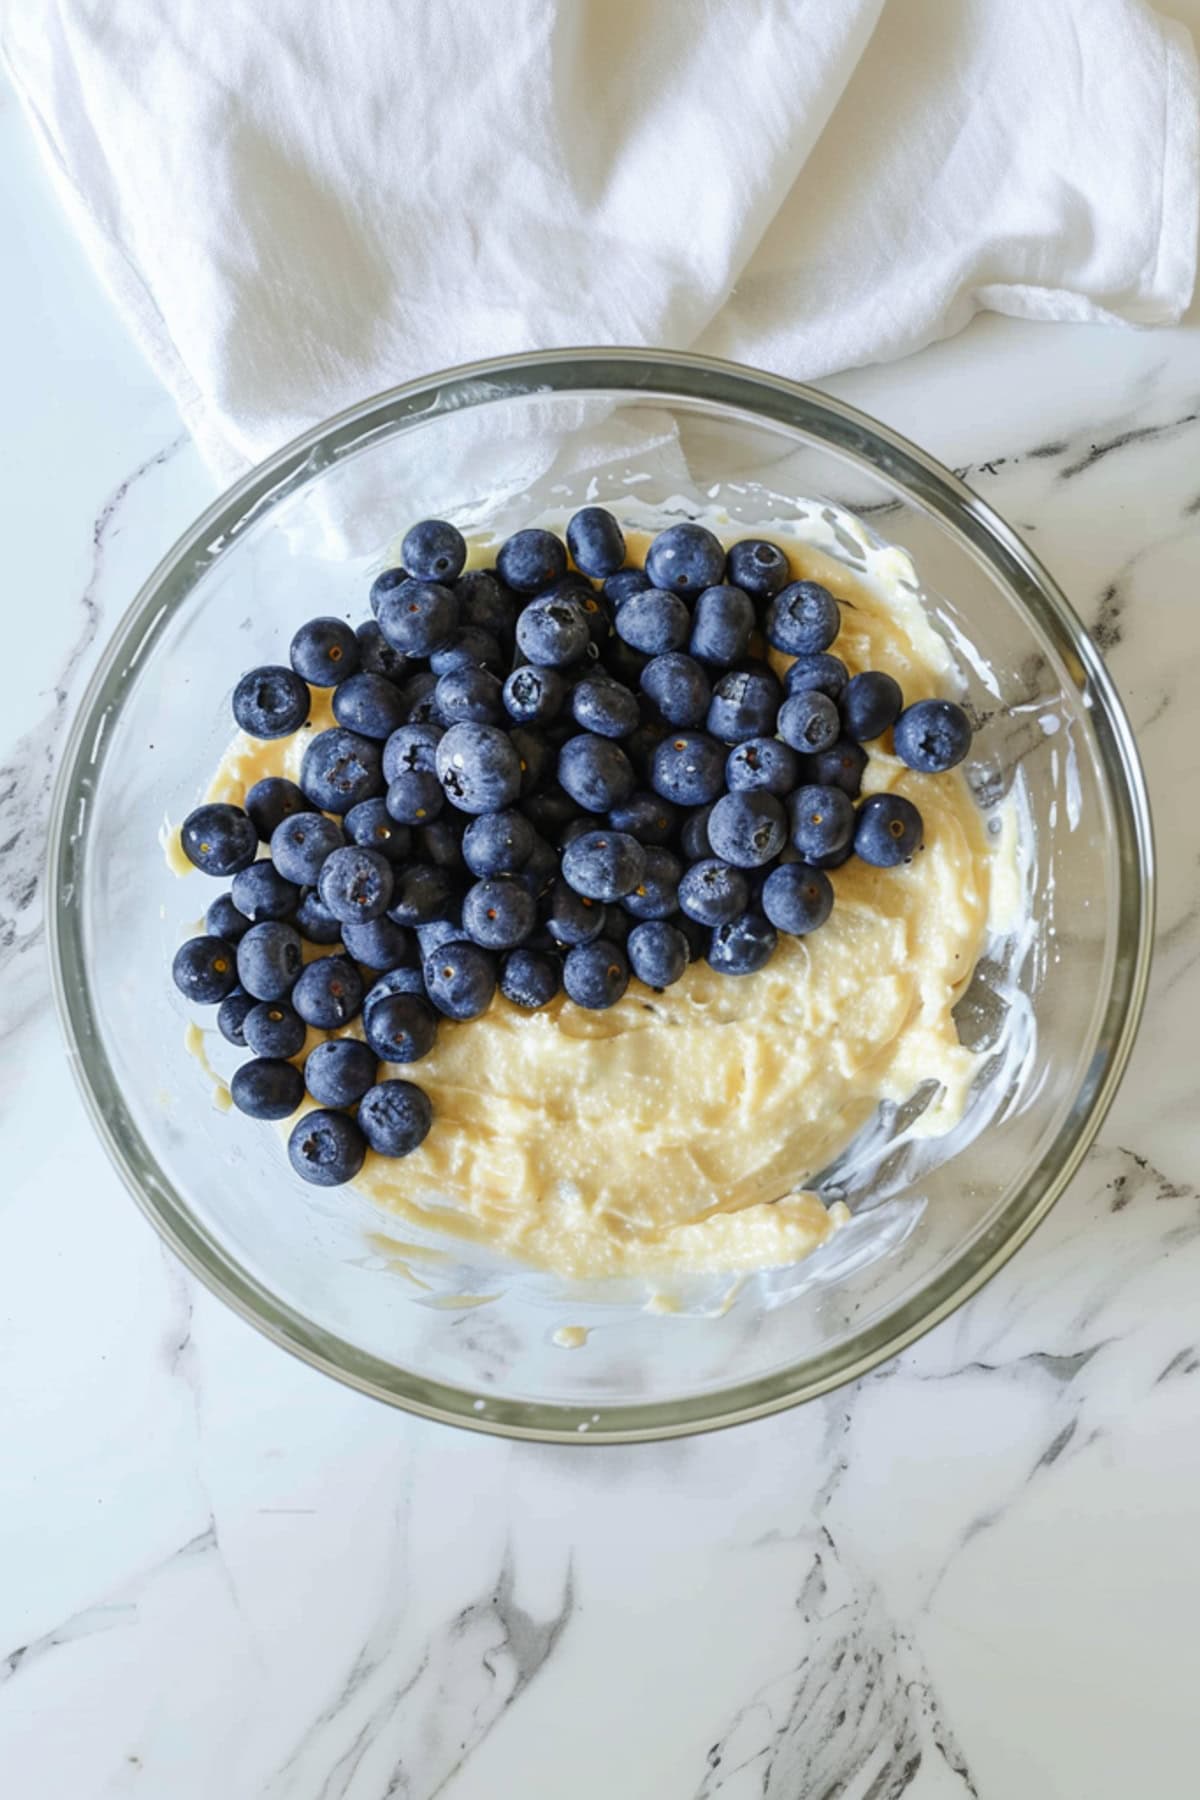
(1053, 1007)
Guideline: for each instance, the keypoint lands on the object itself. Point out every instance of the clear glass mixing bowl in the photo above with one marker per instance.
(492, 446)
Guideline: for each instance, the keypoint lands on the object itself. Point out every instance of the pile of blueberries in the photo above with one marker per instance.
(541, 777)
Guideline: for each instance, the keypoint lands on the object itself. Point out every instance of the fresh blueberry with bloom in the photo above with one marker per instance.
(595, 772)
(460, 979)
(763, 762)
(869, 704)
(553, 631)
(932, 736)
(797, 898)
(596, 975)
(479, 768)
(223, 920)
(261, 892)
(205, 969)
(372, 825)
(273, 1028)
(531, 560)
(377, 943)
(301, 844)
(802, 618)
(889, 831)
(369, 704)
(328, 993)
(647, 817)
(571, 918)
(713, 892)
(269, 960)
(272, 800)
(231, 1017)
(678, 689)
(688, 768)
(271, 702)
(604, 706)
(530, 978)
(758, 566)
(498, 912)
(722, 626)
(603, 864)
(219, 839)
(809, 722)
(340, 768)
(356, 884)
(400, 1027)
(657, 952)
(395, 1117)
(267, 1088)
(686, 559)
(743, 945)
(748, 829)
(324, 652)
(376, 654)
(326, 1148)
(418, 617)
(817, 672)
(656, 895)
(339, 1071)
(822, 821)
(534, 695)
(498, 843)
(596, 542)
(433, 550)
(744, 705)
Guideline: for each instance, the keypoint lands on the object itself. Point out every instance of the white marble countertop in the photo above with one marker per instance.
(974, 1574)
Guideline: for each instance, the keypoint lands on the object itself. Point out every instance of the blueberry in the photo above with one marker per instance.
(314, 921)
(571, 918)
(889, 831)
(553, 632)
(273, 1028)
(267, 1088)
(822, 821)
(300, 845)
(658, 953)
(596, 975)
(498, 912)
(809, 722)
(469, 648)
(327, 1148)
(722, 625)
(418, 617)
(653, 622)
(693, 834)
(369, 704)
(530, 560)
(434, 551)
(376, 655)
(394, 981)
(372, 825)
(573, 585)
(269, 959)
(205, 969)
(329, 992)
(485, 604)
(231, 1017)
(689, 768)
(440, 841)
(479, 768)
(356, 884)
(744, 705)
(339, 1071)
(395, 1118)
(802, 618)
(460, 979)
(530, 978)
(712, 892)
(817, 672)
(595, 772)
(695, 935)
(412, 747)
(324, 652)
(603, 865)
(758, 566)
(377, 943)
(677, 688)
(762, 762)
(419, 694)
(415, 797)
(498, 843)
(619, 587)
(832, 859)
(261, 892)
(622, 661)
(840, 766)
(932, 736)
(605, 706)
(647, 817)
(219, 839)
(272, 800)
(384, 584)
(686, 559)
(533, 695)
(469, 696)
(271, 702)
(223, 920)
(575, 828)
(656, 895)
(748, 829)
(743, 945)
(870, 703)
(797, 898)
(400, 1028)
(421, 892)
(596, 542)
(339, 769)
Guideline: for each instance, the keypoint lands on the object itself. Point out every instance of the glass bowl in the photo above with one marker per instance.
(492, 446)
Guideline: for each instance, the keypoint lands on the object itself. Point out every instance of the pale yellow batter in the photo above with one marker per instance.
(676, 1130)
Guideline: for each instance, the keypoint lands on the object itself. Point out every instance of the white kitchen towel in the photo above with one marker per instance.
(296, 203)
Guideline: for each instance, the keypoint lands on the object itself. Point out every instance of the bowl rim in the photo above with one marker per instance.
(832, 423)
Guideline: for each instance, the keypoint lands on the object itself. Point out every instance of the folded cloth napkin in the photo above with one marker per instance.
(296, 205)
